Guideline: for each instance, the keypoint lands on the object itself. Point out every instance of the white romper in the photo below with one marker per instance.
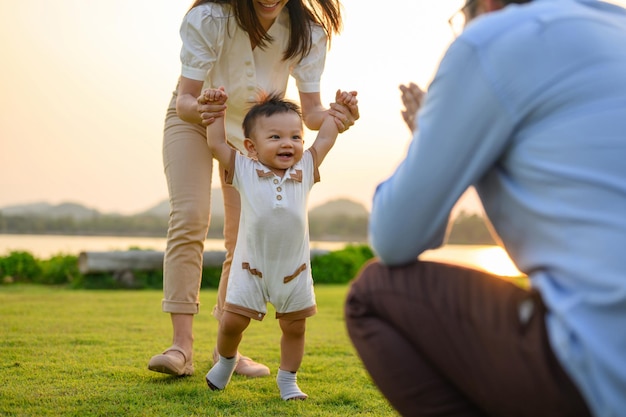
(271, 262)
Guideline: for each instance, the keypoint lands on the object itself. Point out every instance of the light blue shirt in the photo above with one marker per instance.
(529, 106)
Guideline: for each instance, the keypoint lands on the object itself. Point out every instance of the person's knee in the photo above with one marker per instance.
(190, 218)
(293, 328)
(232, 324)
(371, 268)
(368, 272)
(362, 290)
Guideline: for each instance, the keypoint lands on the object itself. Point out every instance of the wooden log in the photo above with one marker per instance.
(94, 262)
(144, 260)
(135, 260)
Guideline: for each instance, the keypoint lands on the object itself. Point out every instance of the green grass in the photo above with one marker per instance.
(85, 353)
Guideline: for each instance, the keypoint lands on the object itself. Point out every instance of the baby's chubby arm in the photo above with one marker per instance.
(216, 131)
(334, 123)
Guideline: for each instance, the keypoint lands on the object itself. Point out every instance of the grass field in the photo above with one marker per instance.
(85, 353)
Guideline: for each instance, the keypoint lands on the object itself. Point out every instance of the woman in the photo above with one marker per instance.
(245, 46)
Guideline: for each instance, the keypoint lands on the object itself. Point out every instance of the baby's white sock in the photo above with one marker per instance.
(219, 376)
(288, 385)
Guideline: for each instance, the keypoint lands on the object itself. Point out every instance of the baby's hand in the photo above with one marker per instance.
(212, 104)
(347, 98)
(214, 96)
(345, 109)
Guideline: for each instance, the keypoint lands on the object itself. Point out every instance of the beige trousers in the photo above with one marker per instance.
(188, 166)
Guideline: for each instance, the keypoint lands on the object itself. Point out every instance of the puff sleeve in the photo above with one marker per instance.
(308, 72)
(202, 32)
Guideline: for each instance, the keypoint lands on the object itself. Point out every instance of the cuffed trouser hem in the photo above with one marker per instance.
(180, 307)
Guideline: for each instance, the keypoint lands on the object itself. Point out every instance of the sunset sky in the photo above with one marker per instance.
(85, 85)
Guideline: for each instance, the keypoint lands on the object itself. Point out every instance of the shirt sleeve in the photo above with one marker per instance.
(308, 72)
(463, 127)
(202, 33)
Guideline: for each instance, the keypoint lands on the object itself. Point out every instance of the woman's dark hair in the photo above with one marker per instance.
(266, 106)
(302, 13)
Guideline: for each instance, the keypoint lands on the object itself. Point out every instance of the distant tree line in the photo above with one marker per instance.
(467, 229)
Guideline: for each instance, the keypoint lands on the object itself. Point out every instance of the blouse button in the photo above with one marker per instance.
(249, 73)
(279, 189)
(279, 197)
(275, 181)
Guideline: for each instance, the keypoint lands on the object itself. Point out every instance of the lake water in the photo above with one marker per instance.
(490, 258)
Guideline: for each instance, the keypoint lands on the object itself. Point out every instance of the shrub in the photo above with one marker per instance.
(341, 266)
(211, 277)
(60, 269)
(337, 267)
(19, 266)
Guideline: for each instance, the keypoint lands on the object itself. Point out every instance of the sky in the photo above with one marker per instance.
(85, 85)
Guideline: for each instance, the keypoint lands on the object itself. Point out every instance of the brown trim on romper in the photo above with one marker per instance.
(264, 174)
(297, 315)
(288, 278)
(296, 176)
(230, 175)
(316, 172)
(295, 274)
(256, 315)
(253, 271)
(244, 311)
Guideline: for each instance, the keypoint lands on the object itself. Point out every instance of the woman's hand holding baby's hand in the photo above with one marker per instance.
(212, 104)
(345, 109)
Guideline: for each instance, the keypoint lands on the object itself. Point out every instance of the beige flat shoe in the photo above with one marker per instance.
(172, 364)
(246, 366)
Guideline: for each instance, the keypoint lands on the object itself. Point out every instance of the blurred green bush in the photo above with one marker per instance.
(338, 267)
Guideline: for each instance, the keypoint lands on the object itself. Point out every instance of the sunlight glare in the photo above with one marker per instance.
(496, 261)
(491, 259)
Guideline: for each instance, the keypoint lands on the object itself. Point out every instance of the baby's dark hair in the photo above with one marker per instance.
(267, 106)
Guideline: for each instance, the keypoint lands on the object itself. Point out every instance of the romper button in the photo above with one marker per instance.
(279, 189)
(279, 197)
(249, 73)
(275, 181)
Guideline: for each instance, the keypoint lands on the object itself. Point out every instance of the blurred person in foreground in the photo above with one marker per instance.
(529, 106)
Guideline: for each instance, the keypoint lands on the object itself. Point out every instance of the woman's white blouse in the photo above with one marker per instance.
(217, 51)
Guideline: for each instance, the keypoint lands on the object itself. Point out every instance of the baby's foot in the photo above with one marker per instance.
(219, 376)
(288, 385)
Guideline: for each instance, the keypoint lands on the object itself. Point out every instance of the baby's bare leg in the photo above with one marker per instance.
(292, 344)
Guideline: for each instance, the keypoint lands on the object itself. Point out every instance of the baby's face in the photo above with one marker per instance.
(277, 141)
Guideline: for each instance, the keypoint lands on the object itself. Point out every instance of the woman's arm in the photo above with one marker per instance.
(187, 100)
(331, 124)
(192, 106)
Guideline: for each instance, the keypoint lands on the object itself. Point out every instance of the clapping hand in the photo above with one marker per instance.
(412, 97)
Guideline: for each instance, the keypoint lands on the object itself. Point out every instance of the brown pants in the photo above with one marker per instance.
(443, 340)
(188, 165)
